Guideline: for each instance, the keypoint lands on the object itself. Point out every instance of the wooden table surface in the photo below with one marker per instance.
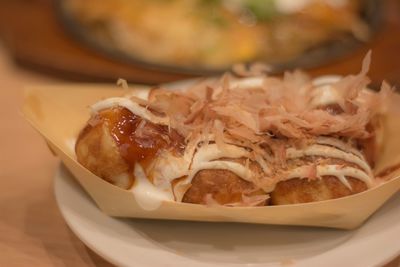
(32, 230)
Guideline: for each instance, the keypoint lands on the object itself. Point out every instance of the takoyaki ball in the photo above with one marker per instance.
(223, 186)
(97, 151)
(329, 172)
(115, 140)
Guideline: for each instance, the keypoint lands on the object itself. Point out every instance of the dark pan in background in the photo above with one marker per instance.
(314, 57)
(36, 38)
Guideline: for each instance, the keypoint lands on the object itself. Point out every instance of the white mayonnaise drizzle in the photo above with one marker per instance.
(247, 83)
(324, 93)
(237, 168)
(322, 140)
(208, 157)
(331, 170)
(132, 106)
(148, 196)
(328, 152)
(212, 152)
(326, 79)
(167, 167)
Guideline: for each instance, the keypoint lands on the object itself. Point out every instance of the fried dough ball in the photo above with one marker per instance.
(115, 139)
(223, 186)
(98, 152)
(296, 191)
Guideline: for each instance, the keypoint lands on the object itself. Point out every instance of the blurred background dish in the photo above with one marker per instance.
(43, 36)
(206, 36)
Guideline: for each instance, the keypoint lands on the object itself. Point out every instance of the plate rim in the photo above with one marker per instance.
(62, 173)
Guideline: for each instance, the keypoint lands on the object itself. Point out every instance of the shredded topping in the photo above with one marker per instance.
(274, 108)
(270, 121)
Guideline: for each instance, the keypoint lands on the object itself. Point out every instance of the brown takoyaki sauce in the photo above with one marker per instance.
(140, 140)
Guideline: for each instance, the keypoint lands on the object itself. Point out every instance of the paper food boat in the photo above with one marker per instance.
(60, 112)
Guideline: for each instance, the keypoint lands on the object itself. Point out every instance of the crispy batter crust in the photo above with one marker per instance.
(224, 187)
(98, 152)
(302, 190)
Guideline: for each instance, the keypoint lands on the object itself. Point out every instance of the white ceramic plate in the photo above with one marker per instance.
(138, 242)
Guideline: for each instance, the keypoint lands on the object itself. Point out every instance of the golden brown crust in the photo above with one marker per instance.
(111, 144)
(296, 191)
(98, 152)
(223, 186)
(116, 140)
